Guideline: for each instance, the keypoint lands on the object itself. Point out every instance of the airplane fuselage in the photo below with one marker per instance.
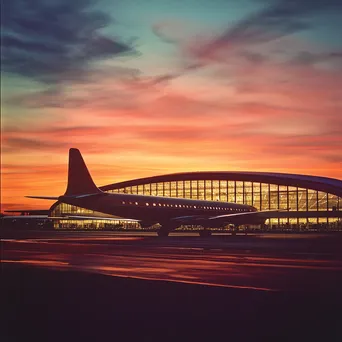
(156, 209)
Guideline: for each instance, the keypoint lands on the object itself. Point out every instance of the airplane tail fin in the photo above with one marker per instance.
(79, 179)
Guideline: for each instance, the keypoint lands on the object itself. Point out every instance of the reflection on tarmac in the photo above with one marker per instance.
(256, 263)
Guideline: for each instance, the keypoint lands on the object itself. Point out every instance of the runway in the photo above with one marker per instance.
(262, 262)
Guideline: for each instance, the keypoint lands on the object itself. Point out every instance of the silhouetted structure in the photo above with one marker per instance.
(312, 202)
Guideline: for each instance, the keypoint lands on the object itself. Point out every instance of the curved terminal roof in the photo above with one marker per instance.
(325, 184)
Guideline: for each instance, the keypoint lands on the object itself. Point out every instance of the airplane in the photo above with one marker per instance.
(170, 213)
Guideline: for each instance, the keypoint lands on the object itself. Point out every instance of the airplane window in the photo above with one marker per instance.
(123, 202)
(147, 204)
(194, 206)
(130, 202)
(159, 204)
(176, 206)
(154, 204)
(136, 203)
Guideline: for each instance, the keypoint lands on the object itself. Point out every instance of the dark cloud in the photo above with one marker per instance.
(55, 40)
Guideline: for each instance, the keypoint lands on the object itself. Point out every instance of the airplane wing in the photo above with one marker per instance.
(189, 219)
(73, 196)
(262, 213)
(236, 218)
(51, 198)
(93, 218)
(67, 217)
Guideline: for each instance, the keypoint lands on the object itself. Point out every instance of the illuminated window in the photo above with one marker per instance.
(136, 203)
(154, 204)
(147, 204)
(194, 206)
(123, 202)
(159, 204)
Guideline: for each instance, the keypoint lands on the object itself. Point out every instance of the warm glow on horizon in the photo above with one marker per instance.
(158, 93)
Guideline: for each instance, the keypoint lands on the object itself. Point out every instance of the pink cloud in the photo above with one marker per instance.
(267, 116)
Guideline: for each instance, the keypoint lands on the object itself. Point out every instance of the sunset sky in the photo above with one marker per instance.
(148, 87)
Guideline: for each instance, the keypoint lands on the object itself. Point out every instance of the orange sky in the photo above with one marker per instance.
(170, 103)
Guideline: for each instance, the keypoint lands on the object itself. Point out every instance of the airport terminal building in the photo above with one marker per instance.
(310, 202)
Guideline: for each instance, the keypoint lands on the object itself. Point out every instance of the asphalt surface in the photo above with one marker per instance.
(99, 286)
(278, 262)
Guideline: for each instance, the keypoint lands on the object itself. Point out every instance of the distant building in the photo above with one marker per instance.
(311, 202)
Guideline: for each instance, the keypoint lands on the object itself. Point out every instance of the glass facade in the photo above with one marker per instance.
(260, 195)
(312, 207)
(91, 224)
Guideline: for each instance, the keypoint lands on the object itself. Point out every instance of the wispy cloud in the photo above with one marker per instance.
(276, 20)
